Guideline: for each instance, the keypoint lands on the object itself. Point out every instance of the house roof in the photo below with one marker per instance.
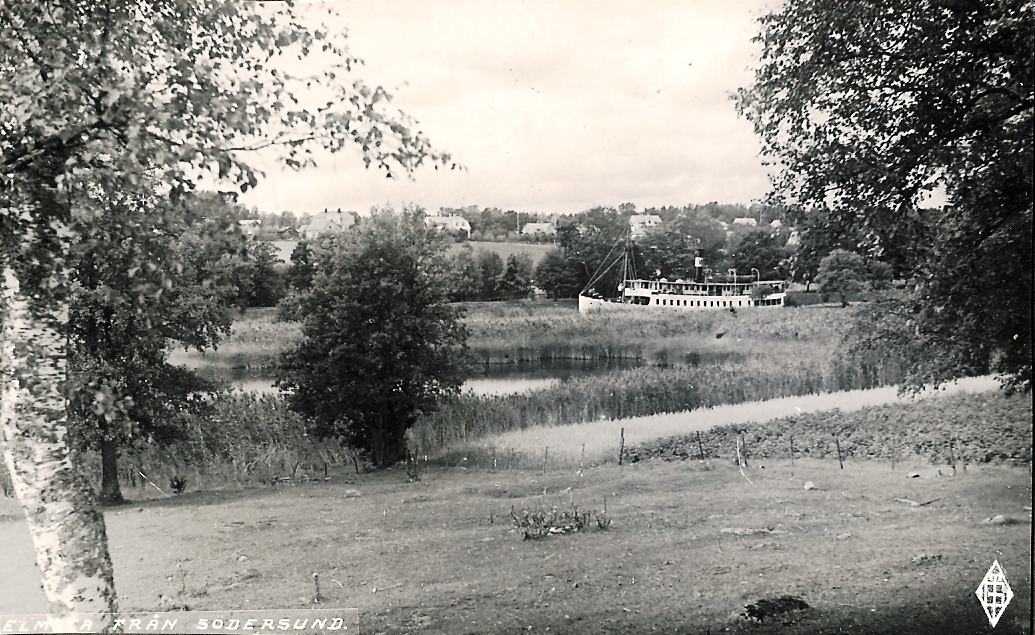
(327, 221)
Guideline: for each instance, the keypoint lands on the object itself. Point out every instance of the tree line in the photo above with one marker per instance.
(587, 241)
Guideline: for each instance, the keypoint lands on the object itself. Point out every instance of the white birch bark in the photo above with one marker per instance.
(67, 529)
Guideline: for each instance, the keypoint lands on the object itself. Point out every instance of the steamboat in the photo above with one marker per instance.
(704, 292)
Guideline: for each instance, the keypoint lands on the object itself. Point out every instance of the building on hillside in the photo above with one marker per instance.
(531, 229)
(449, 223)
(776, 224)
(327, 222)
(249, 227)
(794, 239)
(750, 222)
(640, 223)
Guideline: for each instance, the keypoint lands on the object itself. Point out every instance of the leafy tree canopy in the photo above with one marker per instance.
(116, 91)
(842, 272)
(380, 344)
(867, 108)
(491, 269)
(554, 275)
(516, 281)
(104, 95)
(303, 268)
(761, 250)
(466, 276)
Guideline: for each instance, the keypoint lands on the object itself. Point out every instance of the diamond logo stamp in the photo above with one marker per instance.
(994, 593)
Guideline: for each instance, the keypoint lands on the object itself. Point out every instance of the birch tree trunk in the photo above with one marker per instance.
(67, 529)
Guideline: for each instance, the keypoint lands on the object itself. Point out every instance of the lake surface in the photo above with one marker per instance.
(490, 379)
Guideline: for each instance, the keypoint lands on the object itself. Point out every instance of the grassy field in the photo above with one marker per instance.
(504, 332)
(536, 251)
(690, 544)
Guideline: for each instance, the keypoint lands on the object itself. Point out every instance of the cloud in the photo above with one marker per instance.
(551, 106)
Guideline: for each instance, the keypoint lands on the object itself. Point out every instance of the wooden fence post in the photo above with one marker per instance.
(838, 442)
(700, 448)
(621, 446)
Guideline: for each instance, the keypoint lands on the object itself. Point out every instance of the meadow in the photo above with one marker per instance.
(690, 545)
(982, 423)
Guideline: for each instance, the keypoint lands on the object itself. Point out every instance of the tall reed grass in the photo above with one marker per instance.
(256, 341)
(779, 371)
(249, 439)
(666, 336)
(505, 332)
(968, 409)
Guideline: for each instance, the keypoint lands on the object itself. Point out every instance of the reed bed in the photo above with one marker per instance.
(249, 439)
(505, 332)
(597, 442)
(661, 337)
(648, 391)
(256, 341)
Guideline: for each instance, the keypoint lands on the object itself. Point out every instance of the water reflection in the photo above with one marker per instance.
(488, 379)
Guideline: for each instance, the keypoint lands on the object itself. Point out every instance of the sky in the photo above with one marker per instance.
(552, 107)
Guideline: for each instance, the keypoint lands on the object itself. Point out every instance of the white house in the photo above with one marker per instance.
(640, 223)
(324, 222)
(449, 223)
(750, 222)
(776, 224)
(531, 229)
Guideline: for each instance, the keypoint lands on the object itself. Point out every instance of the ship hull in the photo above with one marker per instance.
(674, 302)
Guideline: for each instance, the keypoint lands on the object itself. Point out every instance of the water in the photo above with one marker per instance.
(490, 379)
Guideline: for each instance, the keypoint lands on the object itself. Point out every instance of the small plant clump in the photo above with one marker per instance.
(178, 484)
(603, 520)
(541, 523)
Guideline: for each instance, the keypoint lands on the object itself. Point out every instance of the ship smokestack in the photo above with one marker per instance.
(698, 267)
